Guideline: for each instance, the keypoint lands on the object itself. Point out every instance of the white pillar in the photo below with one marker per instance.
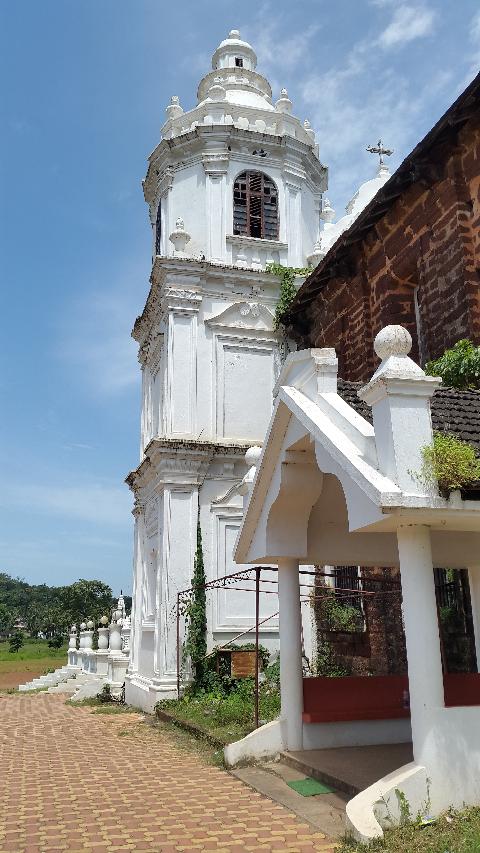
(421, 629)
(474, 581)
(291, 677)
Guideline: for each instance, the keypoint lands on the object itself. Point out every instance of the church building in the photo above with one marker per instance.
(235, 184)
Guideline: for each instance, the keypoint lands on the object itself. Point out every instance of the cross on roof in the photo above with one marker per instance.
(380, 150)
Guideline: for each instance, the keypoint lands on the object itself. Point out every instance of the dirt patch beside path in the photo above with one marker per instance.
(25, 672)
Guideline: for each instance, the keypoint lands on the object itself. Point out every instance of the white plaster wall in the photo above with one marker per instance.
(204, 200)
(355, 733)
(187, 200)
(447, 744)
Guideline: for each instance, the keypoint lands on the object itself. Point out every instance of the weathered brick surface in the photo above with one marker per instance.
(427, 242)
(69, 782)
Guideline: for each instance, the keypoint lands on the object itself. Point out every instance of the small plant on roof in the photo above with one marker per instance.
(450, 463)
(459, 367)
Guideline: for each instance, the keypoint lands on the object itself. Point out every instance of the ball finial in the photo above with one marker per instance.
(252, 456)
(234, 34)
(393, 340)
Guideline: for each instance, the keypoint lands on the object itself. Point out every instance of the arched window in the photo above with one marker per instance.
(158, 228)
(255, 206)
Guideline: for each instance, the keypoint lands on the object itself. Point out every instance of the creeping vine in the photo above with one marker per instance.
(287, 277)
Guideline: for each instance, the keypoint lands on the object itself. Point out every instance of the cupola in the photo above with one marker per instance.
(233, 52)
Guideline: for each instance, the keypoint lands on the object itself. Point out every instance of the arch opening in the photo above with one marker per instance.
(255, 206)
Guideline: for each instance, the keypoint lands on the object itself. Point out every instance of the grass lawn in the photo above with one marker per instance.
(457, 832)
(31, 660)
(100, 707)
(229, 717)
(225, 732)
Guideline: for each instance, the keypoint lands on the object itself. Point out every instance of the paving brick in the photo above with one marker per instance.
(70, 783)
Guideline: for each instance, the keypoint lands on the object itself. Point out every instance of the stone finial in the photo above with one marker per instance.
(252, 457)
(309, 130)
(90, 624)
(328, 212)
(284, 104)
(83, 626)
(234, 34)
(174, 108)
(179, 237)
(73, 629)
(104, 620)
(393, 340)
(317, 254)
(399, 393)
(392, 345)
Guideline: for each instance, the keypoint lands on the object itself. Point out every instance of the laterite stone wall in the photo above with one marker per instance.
(418, 266)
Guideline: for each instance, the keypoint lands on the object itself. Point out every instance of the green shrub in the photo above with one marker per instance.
(459, 367)
(56, 642)
(16, 642)
(195, 645)
(449, 462)
(332, 615)
(105, 695)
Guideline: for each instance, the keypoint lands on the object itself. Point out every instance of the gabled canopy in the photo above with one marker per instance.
(324, 491)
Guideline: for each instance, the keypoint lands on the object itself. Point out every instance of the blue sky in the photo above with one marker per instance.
(85, 85)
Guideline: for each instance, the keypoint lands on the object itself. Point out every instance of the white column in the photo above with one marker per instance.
(136, 616)
(421, 627)
(291, 678)
(474, 581)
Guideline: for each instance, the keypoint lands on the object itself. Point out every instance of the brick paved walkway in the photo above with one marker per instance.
(72, 780)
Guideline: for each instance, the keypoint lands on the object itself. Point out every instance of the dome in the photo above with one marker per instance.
(234, 52)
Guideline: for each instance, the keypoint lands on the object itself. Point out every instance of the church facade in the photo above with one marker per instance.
(234, 184)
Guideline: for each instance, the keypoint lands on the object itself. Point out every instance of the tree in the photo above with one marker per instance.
(7, 618)
(196, 615)
(16, 641)
(84, 599)
(459, 367)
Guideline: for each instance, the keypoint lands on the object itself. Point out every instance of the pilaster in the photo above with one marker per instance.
(215, 159)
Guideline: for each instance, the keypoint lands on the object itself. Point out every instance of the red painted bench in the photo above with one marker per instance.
(376, 697)
(354, 697)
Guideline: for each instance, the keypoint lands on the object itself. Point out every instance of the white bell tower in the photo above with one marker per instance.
(234, 184)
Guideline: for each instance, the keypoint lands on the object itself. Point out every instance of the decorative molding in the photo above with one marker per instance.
(244, 315)
(165, 182)
(215, 164)
(151, 518)
(181, 301)
(256, 243)
(225, 501)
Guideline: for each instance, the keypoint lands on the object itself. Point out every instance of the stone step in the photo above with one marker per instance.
(350, 769)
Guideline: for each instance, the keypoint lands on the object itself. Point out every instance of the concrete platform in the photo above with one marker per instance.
(324, 811)
(350, 769)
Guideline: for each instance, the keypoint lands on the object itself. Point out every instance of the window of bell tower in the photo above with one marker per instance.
(238, 62)
(255, 206)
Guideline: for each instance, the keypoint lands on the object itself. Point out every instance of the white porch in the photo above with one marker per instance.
(331, 489)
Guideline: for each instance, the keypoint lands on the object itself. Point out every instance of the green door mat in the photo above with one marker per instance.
(310, 787)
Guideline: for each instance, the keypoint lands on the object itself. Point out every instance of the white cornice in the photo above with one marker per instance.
(188, 148)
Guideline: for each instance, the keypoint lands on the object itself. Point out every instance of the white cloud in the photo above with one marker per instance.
(93, 502)
(475, 28)
(349, 113)
(276, 46)
(408, 23)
